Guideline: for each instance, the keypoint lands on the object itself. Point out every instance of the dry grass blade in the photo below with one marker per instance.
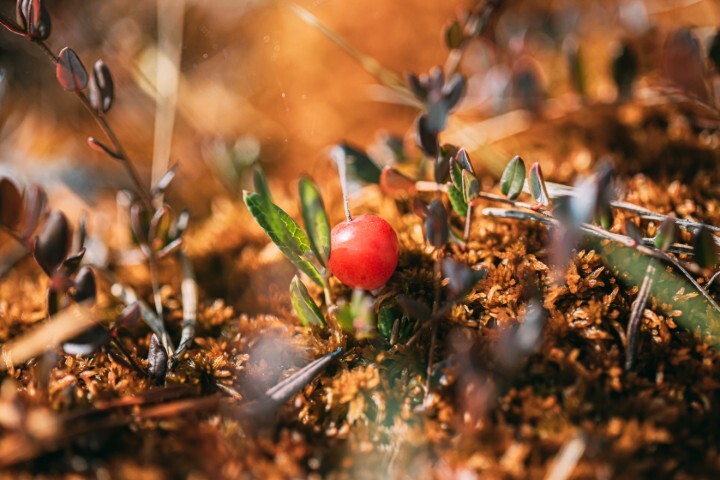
(385, 76)
(567, 459)
(636, 316)
(189, 293)
(63, 326)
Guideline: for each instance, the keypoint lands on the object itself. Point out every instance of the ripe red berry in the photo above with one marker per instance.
(364, 252)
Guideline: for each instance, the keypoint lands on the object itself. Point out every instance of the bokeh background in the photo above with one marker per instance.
(256, 83)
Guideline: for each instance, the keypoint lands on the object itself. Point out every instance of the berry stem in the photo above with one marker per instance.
(342, 173)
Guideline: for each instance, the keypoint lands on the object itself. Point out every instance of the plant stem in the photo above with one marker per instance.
(117, 146)
(435, 324)
(342, 173)
(152, 261)
(124, 159)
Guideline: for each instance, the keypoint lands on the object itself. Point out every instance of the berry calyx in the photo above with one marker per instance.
(363, 252)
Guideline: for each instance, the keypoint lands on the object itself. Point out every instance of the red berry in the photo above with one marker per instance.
(364, 252)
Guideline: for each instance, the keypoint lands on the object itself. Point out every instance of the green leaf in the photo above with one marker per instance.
(513, 178)
(305, 307)
(359, 165)
(284, 232)
(705, 249)
(316, 220)
(261, 186)
(456, 174)
(457, 200)
(537, 185)
(470, 186)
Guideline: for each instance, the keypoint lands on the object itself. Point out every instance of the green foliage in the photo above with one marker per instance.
(316, 220)
(305, 307)
(357, 316)
(457, 200)
(513, 178)
(284, 232)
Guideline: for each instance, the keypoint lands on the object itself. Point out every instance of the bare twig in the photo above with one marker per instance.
(64, 325)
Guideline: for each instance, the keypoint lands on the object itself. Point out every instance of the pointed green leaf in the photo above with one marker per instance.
(316, 220)
(537, 185)
(463, 160)
(284, 232)
(457, 201)
(705, 248)
(456, 174)
(261, 186)
(513, 178)
(470, 186)
(305, 307)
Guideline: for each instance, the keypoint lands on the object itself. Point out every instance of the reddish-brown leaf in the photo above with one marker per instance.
(11, 205)
(70, 71)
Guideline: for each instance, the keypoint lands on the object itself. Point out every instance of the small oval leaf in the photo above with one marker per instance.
(102, 88)
(11, 204)
(470, 186)
(157, 360)
(315, 218)
(457, 200)
(453, 91)
(632, 231)
(428, 139)
(461, 278)
(454, 37)
(706, 254)
(34, 19)
(53, 243)
(85, 288)
(666, 233)
(70, 71)
(35, 206)
(436, 224)
(305, 307)
(537, 186)
(513, 178)
(87, 342)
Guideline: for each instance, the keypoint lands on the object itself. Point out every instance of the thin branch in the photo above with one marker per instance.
(117, 146)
